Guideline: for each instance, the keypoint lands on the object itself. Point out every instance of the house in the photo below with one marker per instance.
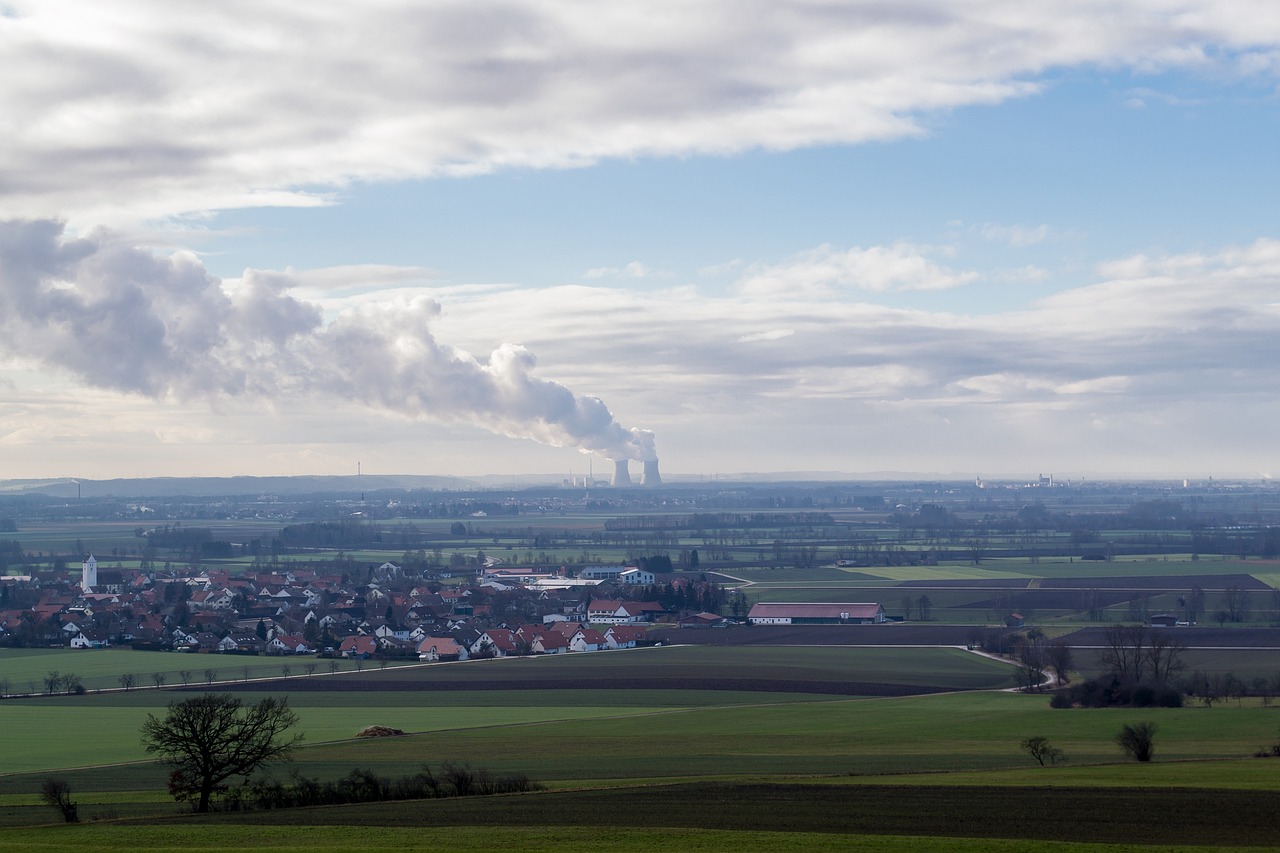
(434, 649)
(289, 644)
(637, 577)
(587, 640)
(90, 638)
(703, 620)
(248, 644)
(608, 612)
(495, 642)
(550, 644)
(358, 646)
(806, 613)
(625, 636)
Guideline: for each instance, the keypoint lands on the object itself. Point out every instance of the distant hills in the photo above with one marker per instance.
(231, 486)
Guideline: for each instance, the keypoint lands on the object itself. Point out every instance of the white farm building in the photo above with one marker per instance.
(804, 613)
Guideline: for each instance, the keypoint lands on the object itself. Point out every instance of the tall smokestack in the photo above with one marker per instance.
(651, 477)
(621, 476)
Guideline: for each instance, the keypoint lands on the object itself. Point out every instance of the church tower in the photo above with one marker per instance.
(88, 574)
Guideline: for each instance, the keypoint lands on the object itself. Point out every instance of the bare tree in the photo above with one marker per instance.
(1138, 740)
(1236, 602)
(128, 681)
(57, 793)
(1164, 656)
(1058, 655)
(309, 668)
(71, 683)
(53, 682)
(924, 607)
(210, 675)
(210, 738)
(333, 667)
(158, 678)
(185, 675)
(1041, 750)
(6, 684)
(1124, 652)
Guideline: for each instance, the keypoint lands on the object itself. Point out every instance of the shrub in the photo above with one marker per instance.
(1138, 740)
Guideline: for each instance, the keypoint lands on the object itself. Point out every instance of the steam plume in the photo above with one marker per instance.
(119, 317)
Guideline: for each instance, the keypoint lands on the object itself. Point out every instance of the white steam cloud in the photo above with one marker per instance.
(119, 317)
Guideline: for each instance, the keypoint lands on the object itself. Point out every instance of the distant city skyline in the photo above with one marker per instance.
(984, 238)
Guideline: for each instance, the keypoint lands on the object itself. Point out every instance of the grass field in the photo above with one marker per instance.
(789, 771)
(100, 669)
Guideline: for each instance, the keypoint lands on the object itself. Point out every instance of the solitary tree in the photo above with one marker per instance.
(210, 738)
(57, 793)
(1041, 750)
(1138, 740)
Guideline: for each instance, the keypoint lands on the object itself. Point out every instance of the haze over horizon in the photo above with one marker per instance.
(274, 239)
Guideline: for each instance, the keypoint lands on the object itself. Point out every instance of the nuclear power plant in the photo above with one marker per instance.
(622, 474)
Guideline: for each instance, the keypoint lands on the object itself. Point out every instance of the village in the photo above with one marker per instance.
(383, 613)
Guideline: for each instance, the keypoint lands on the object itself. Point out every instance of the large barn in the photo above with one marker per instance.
(804, 613)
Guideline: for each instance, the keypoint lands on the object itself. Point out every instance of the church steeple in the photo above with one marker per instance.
(88, 574)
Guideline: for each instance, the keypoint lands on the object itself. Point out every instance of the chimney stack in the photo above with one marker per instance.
(651, 477)
(621, 476)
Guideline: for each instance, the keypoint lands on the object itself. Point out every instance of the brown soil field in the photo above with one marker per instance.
(750, 685)
(1195, 637)
(820, 635)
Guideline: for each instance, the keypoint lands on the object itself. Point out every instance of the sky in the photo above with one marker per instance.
(964, 239)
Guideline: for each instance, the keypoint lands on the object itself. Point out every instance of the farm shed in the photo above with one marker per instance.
(804, 613)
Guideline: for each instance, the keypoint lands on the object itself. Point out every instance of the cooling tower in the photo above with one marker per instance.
(651, 477)
(621, 476)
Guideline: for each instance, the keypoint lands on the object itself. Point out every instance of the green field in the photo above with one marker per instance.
(24, 670)
(639, 769)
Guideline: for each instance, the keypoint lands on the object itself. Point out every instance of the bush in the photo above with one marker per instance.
(1138, 740)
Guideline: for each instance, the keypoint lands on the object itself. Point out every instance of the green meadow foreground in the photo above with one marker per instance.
(762, 756)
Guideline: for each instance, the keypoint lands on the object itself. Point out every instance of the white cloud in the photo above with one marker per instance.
(819, 271)
(634, 269)
(770, 335)
(1014, 235)
(116, 112)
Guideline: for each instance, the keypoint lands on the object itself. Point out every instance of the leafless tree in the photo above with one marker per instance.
(53, 682)
(128, 681)
(210, 738)
(185, 675)
(1058, 655)
(57, 793)
(210, 675)
(1164, 656)
(1236, 602)
(309, 668)
(158, 678)
(1124, 651)
(1041, 750)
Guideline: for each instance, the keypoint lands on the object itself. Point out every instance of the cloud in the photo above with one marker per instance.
(634, 269)
(1014, 235)
(1163, 352)
(117, 113)
(820, 270)
(120, 318)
